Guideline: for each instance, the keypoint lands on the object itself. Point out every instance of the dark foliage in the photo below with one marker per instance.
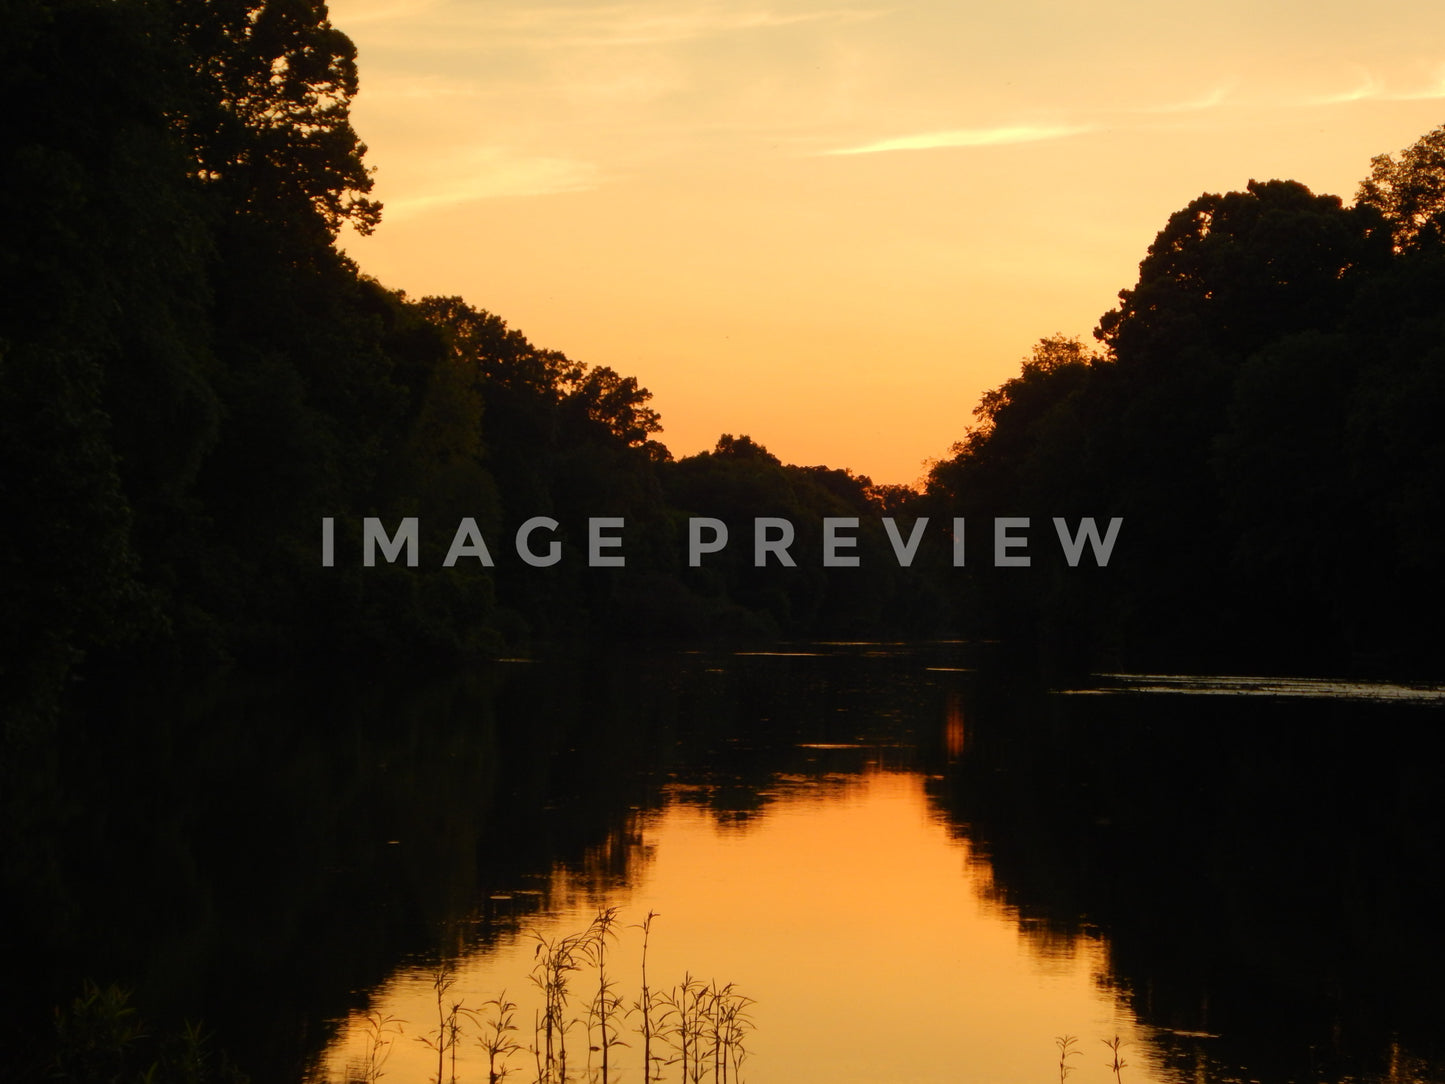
(1262, 423)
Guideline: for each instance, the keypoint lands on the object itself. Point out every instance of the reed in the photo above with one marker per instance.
(497, 1035)
(680, 1020)
(556, 961)
(730, 1027)
(1119, 1063)
(644, 1003)
(705, 1025)
(380, 1031)
(1065, 1043)
(449, 1024)
(606, 1004)
(100, 1036)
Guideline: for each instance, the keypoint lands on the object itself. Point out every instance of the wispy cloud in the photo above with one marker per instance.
(1367, 86)
(1370, 87)
(967, 137)
(1208, 100)
(426, 87)
(381, 11)
(644, 27)
(492, 173)
(1425, 94)
(638, 23)
(1433, 88)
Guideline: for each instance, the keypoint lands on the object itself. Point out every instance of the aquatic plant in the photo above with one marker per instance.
(101, 1036)
(380, 1034)
(556, 960)
(496, 1038)
(449, 1024)
(680, 1022)
(1065, 1043)
(96, 1034)
(1119, 1063)
(706, 1025)
(730, 1026)
(644, 1003)
(702, 1025)
(606, 1004)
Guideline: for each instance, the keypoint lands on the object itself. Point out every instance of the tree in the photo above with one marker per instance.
(268, 121)
(1230, 272)
(1410, 192)
(106, 410)
(618, 405)
(743, 447)
(503, 355)
(1054, 361)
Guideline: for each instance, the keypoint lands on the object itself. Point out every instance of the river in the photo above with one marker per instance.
(863, 862)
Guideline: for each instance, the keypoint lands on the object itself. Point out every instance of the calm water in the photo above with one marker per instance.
(860, 926)
(917, 877)
(915, 867)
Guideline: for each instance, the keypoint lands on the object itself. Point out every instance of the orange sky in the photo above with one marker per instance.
(832, 225)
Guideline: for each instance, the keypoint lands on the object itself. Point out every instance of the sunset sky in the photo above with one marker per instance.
(828, 224)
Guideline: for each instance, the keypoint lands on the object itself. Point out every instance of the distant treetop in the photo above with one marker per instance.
(1410, 192)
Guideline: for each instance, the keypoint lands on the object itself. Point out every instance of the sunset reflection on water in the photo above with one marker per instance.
(861, 925)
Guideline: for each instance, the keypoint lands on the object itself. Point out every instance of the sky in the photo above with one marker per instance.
(832, 225)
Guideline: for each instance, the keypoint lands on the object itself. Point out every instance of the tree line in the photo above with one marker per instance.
(1262, 409)
(192, 374)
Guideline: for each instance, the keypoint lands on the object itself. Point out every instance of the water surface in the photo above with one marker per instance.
(917, 875)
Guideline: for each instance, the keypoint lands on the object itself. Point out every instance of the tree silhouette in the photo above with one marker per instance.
(1410, 191)
(269, 121)
(1231, 271)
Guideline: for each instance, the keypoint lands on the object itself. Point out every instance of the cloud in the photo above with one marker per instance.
(355, 12)
(389, 88)
(1434, 89)
(1208, 100)
(1370, 87)
(1366, 87)
(642, 23)
(642, 27)
(966, 137)
(491, 173)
